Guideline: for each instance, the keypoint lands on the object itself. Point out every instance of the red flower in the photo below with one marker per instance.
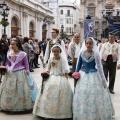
(45, 74)
(3, 70)
(76, 75)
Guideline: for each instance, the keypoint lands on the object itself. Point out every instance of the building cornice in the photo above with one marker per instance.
(45, 11)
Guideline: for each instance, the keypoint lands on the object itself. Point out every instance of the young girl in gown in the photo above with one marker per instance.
(56, 100)
(92, 99)
(18, 90)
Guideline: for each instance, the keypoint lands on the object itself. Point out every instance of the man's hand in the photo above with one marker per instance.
(118, 67)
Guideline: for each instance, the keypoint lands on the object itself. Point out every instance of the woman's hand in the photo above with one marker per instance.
(66, 75)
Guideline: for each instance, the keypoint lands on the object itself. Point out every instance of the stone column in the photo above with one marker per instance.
(21, 23)
(25, 25)
(49, 29)
(39, 29)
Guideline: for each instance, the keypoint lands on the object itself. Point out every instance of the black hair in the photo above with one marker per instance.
(4, 35)
(18, 44)
(26, 39)
(111, 34)
(57, 47)
(88, 39)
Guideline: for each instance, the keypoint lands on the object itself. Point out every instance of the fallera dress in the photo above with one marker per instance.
(56, 100)
(91, 100)
(18, 90)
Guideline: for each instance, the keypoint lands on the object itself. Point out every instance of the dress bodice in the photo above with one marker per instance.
(17, 62)
(56, 67)
(86, 64)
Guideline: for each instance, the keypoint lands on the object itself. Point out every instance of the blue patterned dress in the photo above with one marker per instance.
(91, 100)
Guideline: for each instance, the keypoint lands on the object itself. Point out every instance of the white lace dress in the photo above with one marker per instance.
(56, 99)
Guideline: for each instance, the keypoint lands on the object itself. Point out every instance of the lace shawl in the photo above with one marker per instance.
(20, 56)
(99, 67)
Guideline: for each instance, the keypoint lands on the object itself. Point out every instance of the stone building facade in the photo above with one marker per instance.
(95, 8)
(27, 18)
(66, 13)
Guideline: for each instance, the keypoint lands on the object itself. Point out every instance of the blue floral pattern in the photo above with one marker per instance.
(91, 100)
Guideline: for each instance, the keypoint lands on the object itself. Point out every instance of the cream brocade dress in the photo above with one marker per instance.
(56, 99)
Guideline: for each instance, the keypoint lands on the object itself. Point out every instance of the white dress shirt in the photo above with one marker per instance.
(47, 52)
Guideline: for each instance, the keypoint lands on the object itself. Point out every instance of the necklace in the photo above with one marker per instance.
(56, 58)
(16, 52)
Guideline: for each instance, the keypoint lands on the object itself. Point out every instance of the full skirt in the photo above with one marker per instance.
(91, 100)
(56, 99)
(18, 91)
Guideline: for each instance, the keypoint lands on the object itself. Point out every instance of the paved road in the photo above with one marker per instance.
(30, 116)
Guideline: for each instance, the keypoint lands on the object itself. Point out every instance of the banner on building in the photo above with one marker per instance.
(114, 28)
(88, 28)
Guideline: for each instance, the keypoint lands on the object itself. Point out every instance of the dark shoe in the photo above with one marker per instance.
(112, 92)
(31, 70)
(37, 67)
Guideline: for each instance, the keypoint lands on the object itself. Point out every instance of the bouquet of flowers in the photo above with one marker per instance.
(2, 71)
(76, 75)
(45, 74)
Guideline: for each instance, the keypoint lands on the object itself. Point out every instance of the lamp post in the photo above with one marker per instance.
(4, 11)
(62, 28)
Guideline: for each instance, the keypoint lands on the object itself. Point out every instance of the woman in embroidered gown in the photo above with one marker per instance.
(18, 89)
(92, 99)
(56, 100)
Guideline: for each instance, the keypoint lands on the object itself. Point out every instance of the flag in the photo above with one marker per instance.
(88, 28)
(114, 28)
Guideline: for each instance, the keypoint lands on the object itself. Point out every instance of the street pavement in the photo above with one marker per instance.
(36, 74)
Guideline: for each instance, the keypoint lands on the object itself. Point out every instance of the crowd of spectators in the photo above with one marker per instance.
(31, 46)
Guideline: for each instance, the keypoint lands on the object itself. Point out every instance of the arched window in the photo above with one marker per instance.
(31, 29)
(91, 9)
(61, 12)
(14, 27)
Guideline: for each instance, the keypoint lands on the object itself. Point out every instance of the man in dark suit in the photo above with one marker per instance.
(4, 46)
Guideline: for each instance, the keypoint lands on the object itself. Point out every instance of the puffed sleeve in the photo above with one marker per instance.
(79, 64)
(46, 53)
(25, 60)
(49, 65)
(8, 64)
(63, 45)
(69, 50)
(65, 66)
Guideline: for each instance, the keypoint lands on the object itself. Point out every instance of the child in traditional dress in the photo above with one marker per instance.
(56, 99)
(18, 89)
(92, 99)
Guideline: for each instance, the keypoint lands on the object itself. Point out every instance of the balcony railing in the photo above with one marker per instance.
(68, 15)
